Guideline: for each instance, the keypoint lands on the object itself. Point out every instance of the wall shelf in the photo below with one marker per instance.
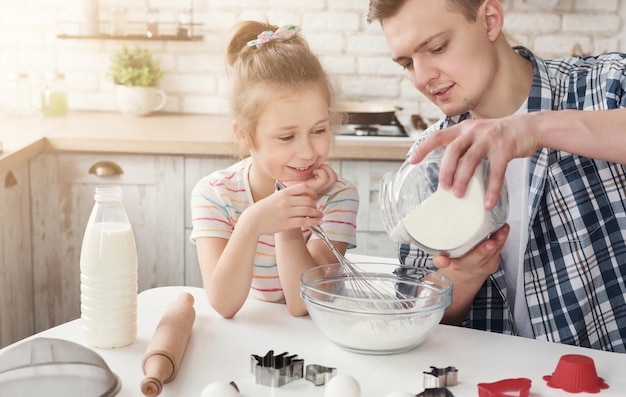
(131, 37)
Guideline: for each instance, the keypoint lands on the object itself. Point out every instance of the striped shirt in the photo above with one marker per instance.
(575, 260)
(218, 200)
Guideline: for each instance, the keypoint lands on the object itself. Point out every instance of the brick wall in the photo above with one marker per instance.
(353, 52)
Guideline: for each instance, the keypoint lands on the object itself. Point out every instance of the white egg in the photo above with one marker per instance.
(219, 389)
(400, 393)
(342, 385)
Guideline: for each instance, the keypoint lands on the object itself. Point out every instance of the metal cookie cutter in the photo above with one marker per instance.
(318, 374)
(440, 377)
(276, 371)
(436, 392)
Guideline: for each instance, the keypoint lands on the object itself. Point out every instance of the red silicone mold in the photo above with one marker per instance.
(576, 373)
(518, 387)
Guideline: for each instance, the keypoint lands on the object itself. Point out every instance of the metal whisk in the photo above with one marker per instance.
(362, 287)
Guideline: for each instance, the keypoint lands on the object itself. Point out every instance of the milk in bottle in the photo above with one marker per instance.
(108, 266)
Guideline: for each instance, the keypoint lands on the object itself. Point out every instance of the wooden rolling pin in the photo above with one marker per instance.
(167, 346)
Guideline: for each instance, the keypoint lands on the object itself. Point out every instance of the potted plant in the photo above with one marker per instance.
(136, 75)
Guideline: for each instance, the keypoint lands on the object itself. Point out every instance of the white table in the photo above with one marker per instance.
(220, 349)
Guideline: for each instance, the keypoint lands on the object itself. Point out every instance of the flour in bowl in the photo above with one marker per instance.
(375, 332)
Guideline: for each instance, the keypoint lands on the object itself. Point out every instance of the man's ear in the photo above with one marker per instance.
(493, 15)
(243, 138)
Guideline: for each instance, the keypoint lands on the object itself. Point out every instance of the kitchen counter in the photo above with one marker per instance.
(156, 134)
(219, 350)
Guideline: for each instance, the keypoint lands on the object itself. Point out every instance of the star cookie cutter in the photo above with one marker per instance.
(318, 374)
(440, 377)
(276, 370)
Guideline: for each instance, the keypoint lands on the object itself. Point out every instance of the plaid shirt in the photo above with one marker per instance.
(575, 261)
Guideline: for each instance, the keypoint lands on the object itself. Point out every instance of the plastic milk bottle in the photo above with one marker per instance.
(108, 273)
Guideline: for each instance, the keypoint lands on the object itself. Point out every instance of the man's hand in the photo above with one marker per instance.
(467, 143)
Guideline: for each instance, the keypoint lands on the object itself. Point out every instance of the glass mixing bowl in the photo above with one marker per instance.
(415, 211)
(387, 309)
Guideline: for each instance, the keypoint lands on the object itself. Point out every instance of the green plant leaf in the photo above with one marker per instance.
(134, 67)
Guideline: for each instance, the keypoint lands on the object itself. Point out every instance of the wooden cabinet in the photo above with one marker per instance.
(16, 271)
(62, 189)
(366, 175)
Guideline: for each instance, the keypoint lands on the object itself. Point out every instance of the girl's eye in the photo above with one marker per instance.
(407, 65)
(440, 49)
(320, 131)
(285, 138)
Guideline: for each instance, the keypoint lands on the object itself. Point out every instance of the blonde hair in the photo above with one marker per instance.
(269, 71)
(382, 9)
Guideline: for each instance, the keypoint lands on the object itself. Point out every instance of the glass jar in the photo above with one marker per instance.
(16, 94)
(54, 95)
(185, 19)
(415, 211)
(119, 23)
(152, 22)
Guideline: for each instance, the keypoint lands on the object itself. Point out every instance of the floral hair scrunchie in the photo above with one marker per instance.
(283, 33)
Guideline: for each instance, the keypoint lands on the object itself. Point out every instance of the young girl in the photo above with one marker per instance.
(250, 237)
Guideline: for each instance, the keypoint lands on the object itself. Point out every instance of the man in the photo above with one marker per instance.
(556, 130)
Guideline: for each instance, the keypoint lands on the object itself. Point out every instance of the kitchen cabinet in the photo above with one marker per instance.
(16, 271)
(372, 239)
(62, 189)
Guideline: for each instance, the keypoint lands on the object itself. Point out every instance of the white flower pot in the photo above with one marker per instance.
(139, 101)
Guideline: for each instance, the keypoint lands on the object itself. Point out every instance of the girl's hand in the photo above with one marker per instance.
(323, 180)
(288, 208)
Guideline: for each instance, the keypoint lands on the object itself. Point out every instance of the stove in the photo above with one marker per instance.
(394, 130)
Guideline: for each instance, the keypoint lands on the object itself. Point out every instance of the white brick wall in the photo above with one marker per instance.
(353, 51)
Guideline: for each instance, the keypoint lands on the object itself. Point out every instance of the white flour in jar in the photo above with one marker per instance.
(444, 222)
